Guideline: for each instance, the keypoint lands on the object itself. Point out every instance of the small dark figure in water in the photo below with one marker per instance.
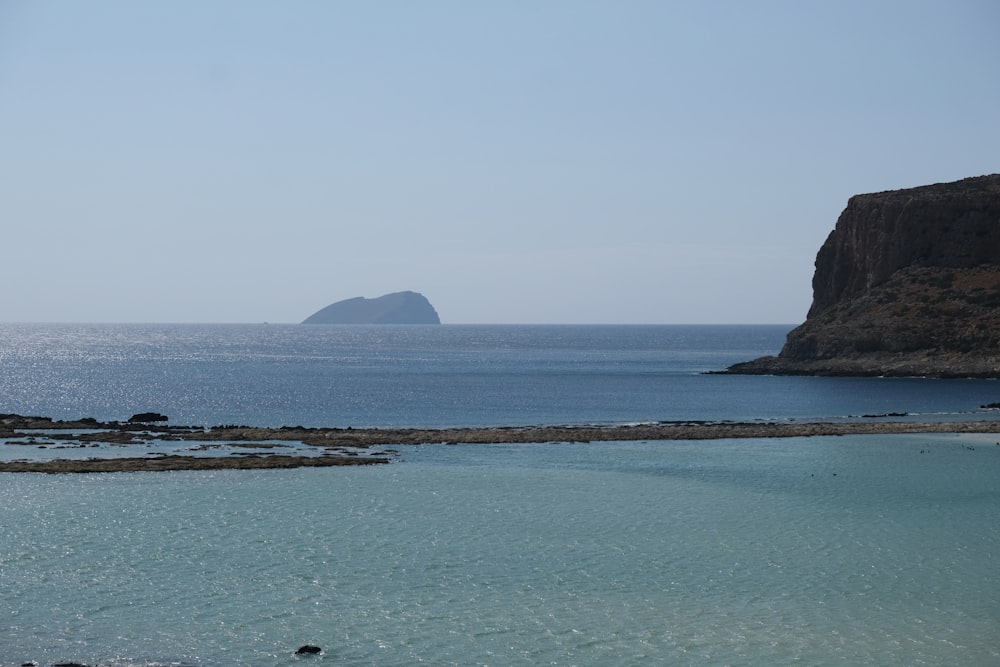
(308, 649)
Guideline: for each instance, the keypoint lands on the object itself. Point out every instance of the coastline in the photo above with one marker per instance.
(344, 446)
(943, 365)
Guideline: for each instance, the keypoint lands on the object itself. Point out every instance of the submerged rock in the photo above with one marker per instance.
(308, 649)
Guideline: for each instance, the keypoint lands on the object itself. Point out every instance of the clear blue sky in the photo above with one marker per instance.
(515, 161)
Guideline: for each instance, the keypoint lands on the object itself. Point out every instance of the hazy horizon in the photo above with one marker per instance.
(564, 162)
(443, 323)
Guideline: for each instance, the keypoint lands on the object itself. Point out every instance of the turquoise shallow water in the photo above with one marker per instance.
(843, 550)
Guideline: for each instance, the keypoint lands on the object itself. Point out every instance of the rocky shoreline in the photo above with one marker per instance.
(370, 446)
(168, 463)
(943, 365)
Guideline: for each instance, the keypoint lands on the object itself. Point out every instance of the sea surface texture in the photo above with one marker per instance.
(290, 375)
(868, 550)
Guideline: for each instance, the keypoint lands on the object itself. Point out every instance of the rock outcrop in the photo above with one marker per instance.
(395, 308)
(907, 284)
(144, 417)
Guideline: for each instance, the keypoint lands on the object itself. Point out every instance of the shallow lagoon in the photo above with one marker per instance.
(837, 550)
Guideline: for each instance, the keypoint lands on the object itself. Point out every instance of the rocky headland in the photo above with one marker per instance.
(907, 284)
(395, 308)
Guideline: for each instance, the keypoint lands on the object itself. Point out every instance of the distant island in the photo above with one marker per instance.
(907, 284)
(395, 308)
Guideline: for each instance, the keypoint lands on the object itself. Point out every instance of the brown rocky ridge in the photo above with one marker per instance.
(907, 284)
(238, 448)
(341, 446)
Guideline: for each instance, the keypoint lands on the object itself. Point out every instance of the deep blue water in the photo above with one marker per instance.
(449, 375)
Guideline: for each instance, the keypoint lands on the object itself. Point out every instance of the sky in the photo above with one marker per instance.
(515, 161)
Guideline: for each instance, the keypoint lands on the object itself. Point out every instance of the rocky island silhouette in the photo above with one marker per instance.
(396, 308)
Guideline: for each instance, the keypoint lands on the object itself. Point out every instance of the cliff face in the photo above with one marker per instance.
(395, 308)
(908, 283)
(951, 225)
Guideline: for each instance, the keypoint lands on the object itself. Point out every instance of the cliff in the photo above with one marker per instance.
(395, 308)
(907, 284)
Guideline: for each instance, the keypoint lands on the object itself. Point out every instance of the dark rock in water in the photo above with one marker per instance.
(308, 649)
(907, 284)
(147, 417)
(396, 308)
(885, 414)
(68, 664)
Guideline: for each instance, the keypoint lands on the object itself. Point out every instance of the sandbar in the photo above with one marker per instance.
(341, 446)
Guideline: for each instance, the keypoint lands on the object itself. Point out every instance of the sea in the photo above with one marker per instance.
(837, 550)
